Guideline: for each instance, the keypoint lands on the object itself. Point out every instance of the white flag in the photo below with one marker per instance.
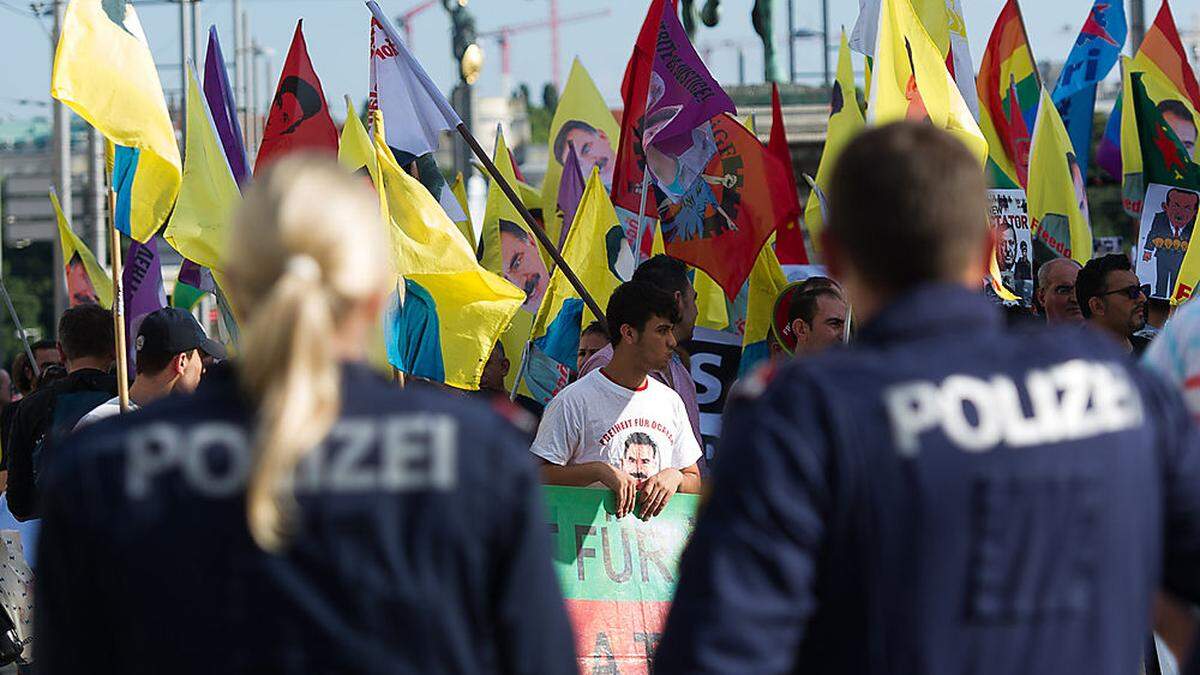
(414, 110)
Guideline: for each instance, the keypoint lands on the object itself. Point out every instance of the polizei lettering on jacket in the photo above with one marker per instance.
(1067, 402)
(391, 454)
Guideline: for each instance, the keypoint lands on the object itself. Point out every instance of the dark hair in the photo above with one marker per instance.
(633, 303)
(804, 303)
(664, 273)
(50, 374)
(1094, 277)
(640, 438)
(597, 327)
(153, 363)
(22, 373)
(560, 139)
(86, 330)
(1176, 108)
(1181, 191)
(908, 205)
(310, 99)
(514, 229)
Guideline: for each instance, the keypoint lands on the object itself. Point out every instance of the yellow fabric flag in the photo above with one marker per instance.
(84, 274)
(593, 220)
(910, 79)
(209, 195)
(103, 70)
(355, 152)
(845, 121)
(766, 282)
(471, 305)
(1055, 208)
(584, 120)
(511, 250)
(355, 149)
(710, 303)
(459, 190)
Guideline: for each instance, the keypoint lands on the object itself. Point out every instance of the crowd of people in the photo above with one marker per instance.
(931, 489)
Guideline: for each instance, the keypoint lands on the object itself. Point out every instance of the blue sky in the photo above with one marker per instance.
(336, 31)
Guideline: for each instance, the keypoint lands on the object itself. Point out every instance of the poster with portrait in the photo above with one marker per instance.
(1008, 214)
(1168, 218)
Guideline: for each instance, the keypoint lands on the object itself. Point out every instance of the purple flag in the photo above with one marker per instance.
(220, 101)
(683, 94)
(142, 289)
(570, 191)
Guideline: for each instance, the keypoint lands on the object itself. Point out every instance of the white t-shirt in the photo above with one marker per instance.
(109, 408)
(597, 420)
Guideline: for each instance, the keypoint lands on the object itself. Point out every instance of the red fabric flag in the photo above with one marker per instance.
(630, 167)
(722, 220)
(299, 118)
(789, 241)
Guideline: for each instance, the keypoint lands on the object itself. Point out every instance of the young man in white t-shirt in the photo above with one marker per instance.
(618, 427)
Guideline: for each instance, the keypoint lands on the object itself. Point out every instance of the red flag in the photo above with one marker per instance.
(630, 167)
(789, 240)
(299, 118)
(722, 220)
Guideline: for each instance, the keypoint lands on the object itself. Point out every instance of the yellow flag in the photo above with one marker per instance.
(355, 150)
(1056, 208)
(845, 121)
(766, 282)
(80, 263)
(593, 220)
(910, 79)
(209, 194)
(584, 120)
(459, 190)
(103, 70)
(710, 303)
(470, 305)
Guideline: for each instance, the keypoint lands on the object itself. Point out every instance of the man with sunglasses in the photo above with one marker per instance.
(1055, 293)
(1112, 299)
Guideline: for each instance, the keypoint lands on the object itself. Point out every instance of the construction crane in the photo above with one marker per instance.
(503, 35)
(405, 20)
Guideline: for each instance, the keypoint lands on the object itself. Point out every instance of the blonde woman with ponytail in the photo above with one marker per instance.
(298, 513)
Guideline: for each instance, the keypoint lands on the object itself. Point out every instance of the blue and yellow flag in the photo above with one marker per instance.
(562, 315)
(103, 70)
(453, 310)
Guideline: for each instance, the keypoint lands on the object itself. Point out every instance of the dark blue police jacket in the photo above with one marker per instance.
(419, 545)
(943, 497)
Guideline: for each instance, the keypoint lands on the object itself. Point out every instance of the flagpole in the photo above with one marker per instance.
(641, 226)
(537, 230)
(37, 372)
(118, 307)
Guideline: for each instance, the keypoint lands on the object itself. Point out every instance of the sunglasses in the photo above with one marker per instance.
(1133, 292)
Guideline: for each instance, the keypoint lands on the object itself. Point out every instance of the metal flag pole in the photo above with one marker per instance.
(543, 238)
(37, 372)
(118, 307)
(641, 225)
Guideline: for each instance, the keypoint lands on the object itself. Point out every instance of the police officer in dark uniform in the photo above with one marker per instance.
(299, 514)
(944, 496)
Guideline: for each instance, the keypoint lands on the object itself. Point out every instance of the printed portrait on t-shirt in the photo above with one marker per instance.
(641, 456)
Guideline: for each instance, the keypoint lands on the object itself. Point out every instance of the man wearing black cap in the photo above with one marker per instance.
(171, 347)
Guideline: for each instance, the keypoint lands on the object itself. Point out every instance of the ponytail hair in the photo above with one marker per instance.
(308, 248)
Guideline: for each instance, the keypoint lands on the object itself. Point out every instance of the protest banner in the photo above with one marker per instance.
(1008, 214)
(715, 357)
(617, 576)
(1165, 230)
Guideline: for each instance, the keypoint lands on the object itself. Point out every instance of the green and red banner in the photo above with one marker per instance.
(618, 576)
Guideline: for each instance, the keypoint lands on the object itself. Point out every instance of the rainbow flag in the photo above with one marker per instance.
(1008, 87)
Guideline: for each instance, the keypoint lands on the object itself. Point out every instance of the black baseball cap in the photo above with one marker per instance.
(171, 330)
